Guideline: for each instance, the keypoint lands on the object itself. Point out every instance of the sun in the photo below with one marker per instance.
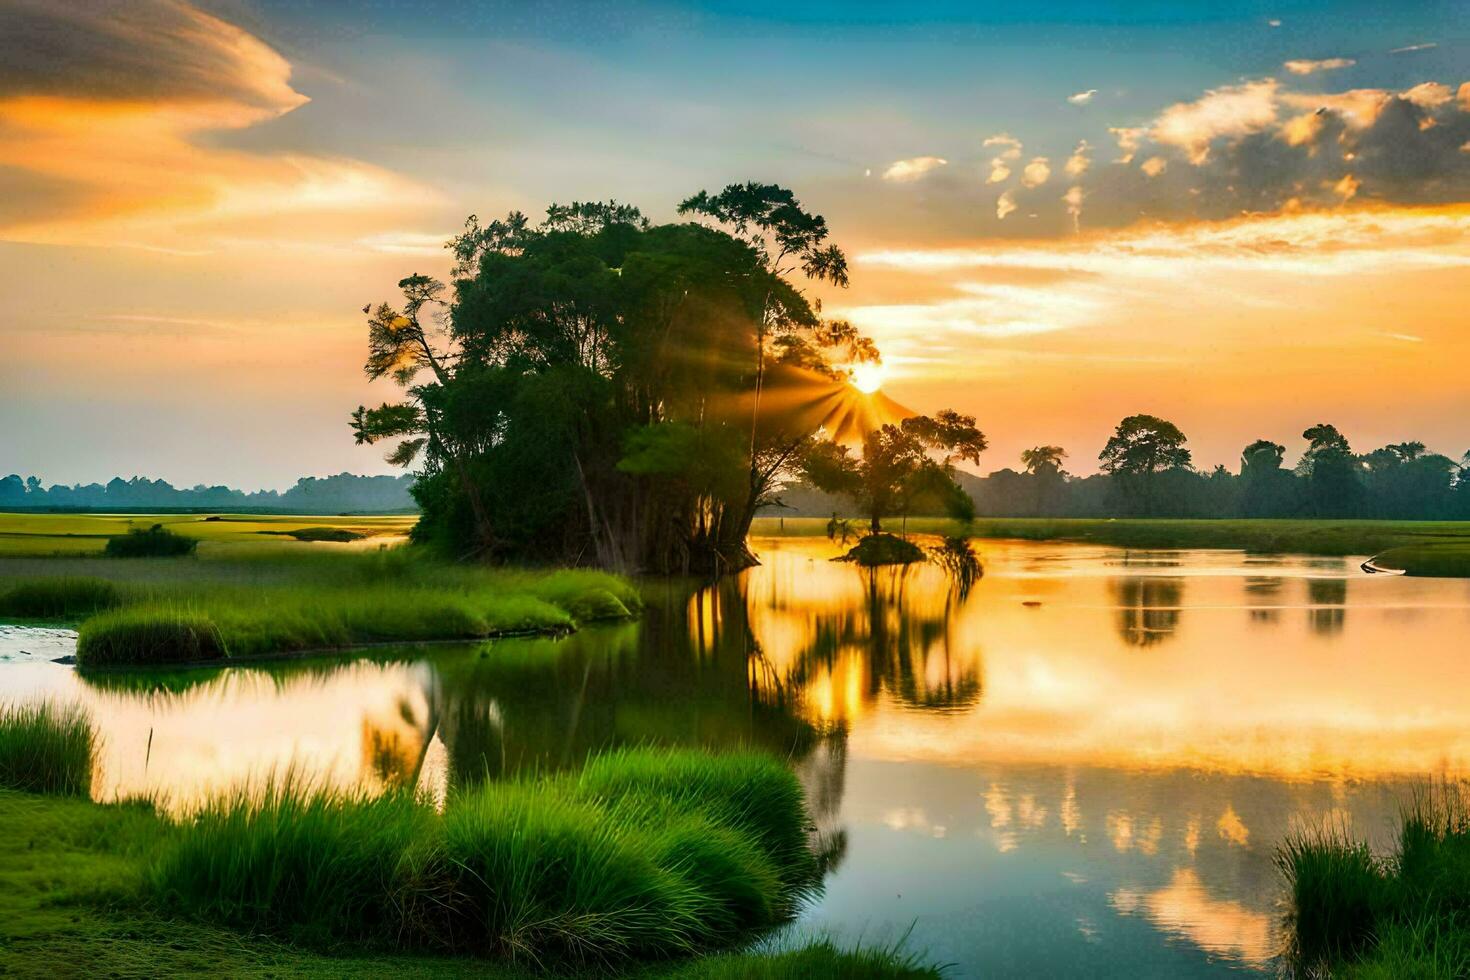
(867, 377)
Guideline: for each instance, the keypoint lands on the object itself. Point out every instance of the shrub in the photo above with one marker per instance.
(58, 598)
(156, 542)
(46, 749)
(884, 549)
(338, 534)
(149, 635)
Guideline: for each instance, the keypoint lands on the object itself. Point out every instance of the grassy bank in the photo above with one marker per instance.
(635, 866)
(153, 611)
(1444, 545)
(1439, 560)
(39, 535)
(1360, 915)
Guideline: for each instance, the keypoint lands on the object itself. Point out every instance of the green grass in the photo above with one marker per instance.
(274, 602)
(645, 855)
(38, 535)
(1440, 560)
(1357, 914)
(46, 749)
(63, 598)
(155, 542)
(1327, 537)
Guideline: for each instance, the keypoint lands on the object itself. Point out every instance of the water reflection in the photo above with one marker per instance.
(997, 766)
(1328, 598)
(1148, 609)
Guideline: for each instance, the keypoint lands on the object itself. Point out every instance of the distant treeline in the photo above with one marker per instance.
(338, 494)
(1147, 472)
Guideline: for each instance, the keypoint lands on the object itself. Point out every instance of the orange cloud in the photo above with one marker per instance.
(119, 142)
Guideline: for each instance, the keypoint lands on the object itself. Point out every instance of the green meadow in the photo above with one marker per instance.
(1432, 548)
(637, 864)
(41, 535)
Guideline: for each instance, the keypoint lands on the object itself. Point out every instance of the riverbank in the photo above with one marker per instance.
(1440, 548)
(645, 863)
(1357, 914)
(187, 610)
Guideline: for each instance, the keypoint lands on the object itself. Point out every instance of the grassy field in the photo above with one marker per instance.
(1439, 548)
(38, 535)
(1357, 914)
(240, 601)
(635, 866)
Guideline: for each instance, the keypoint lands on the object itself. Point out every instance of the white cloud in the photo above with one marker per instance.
(1037, 172)
(1154, 166)
(1010, 146)
(1306, 66)
(1080, 159)
(1005, 204)
(1129, 138)
(1073, 200)
(998, 171)
(904, 171)
(1231, 110)
(1082, 98)
(1413, 47)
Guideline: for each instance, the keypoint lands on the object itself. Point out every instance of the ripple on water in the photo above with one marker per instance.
(33, 644)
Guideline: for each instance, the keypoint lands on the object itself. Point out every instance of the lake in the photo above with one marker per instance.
(1081, 766)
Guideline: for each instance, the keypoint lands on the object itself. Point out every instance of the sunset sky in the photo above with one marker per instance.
(1245, 217)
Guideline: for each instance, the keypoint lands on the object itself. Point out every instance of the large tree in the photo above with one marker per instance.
(1333, 485)
(1141, 447)
(589, 389)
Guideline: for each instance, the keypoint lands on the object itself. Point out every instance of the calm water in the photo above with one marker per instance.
(1081, 767)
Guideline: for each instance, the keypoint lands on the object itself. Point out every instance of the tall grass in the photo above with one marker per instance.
(57, 598)
(155, 542)
(651, 855)
(162, 613)
(46, 749)
(1408, 914)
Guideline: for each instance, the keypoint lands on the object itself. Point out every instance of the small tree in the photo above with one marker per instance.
(1044, 466)
(898, 467)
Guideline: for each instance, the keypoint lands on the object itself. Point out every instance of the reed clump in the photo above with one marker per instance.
(1356, 914)
(46, 748)
(647, 855)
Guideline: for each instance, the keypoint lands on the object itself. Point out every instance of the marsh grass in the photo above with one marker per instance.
(198, 611)
(67, 597)
(1355, 914)
(653, 855)
(154, 542)
(45, 748)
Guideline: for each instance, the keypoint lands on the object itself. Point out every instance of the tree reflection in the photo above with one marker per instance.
(1262, 593)
(897, 638)
(1328, 597)
(1148, 608)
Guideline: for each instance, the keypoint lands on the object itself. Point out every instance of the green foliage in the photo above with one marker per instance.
(820, 958)
(1353, 914)
(645, 855)
(155, 634)
(884, 549)
(597, 394)
(74, 899)
(57, 598)
(46, 749)
(341, 535)
(155, 542)
(896, 472)
(1438, 560)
